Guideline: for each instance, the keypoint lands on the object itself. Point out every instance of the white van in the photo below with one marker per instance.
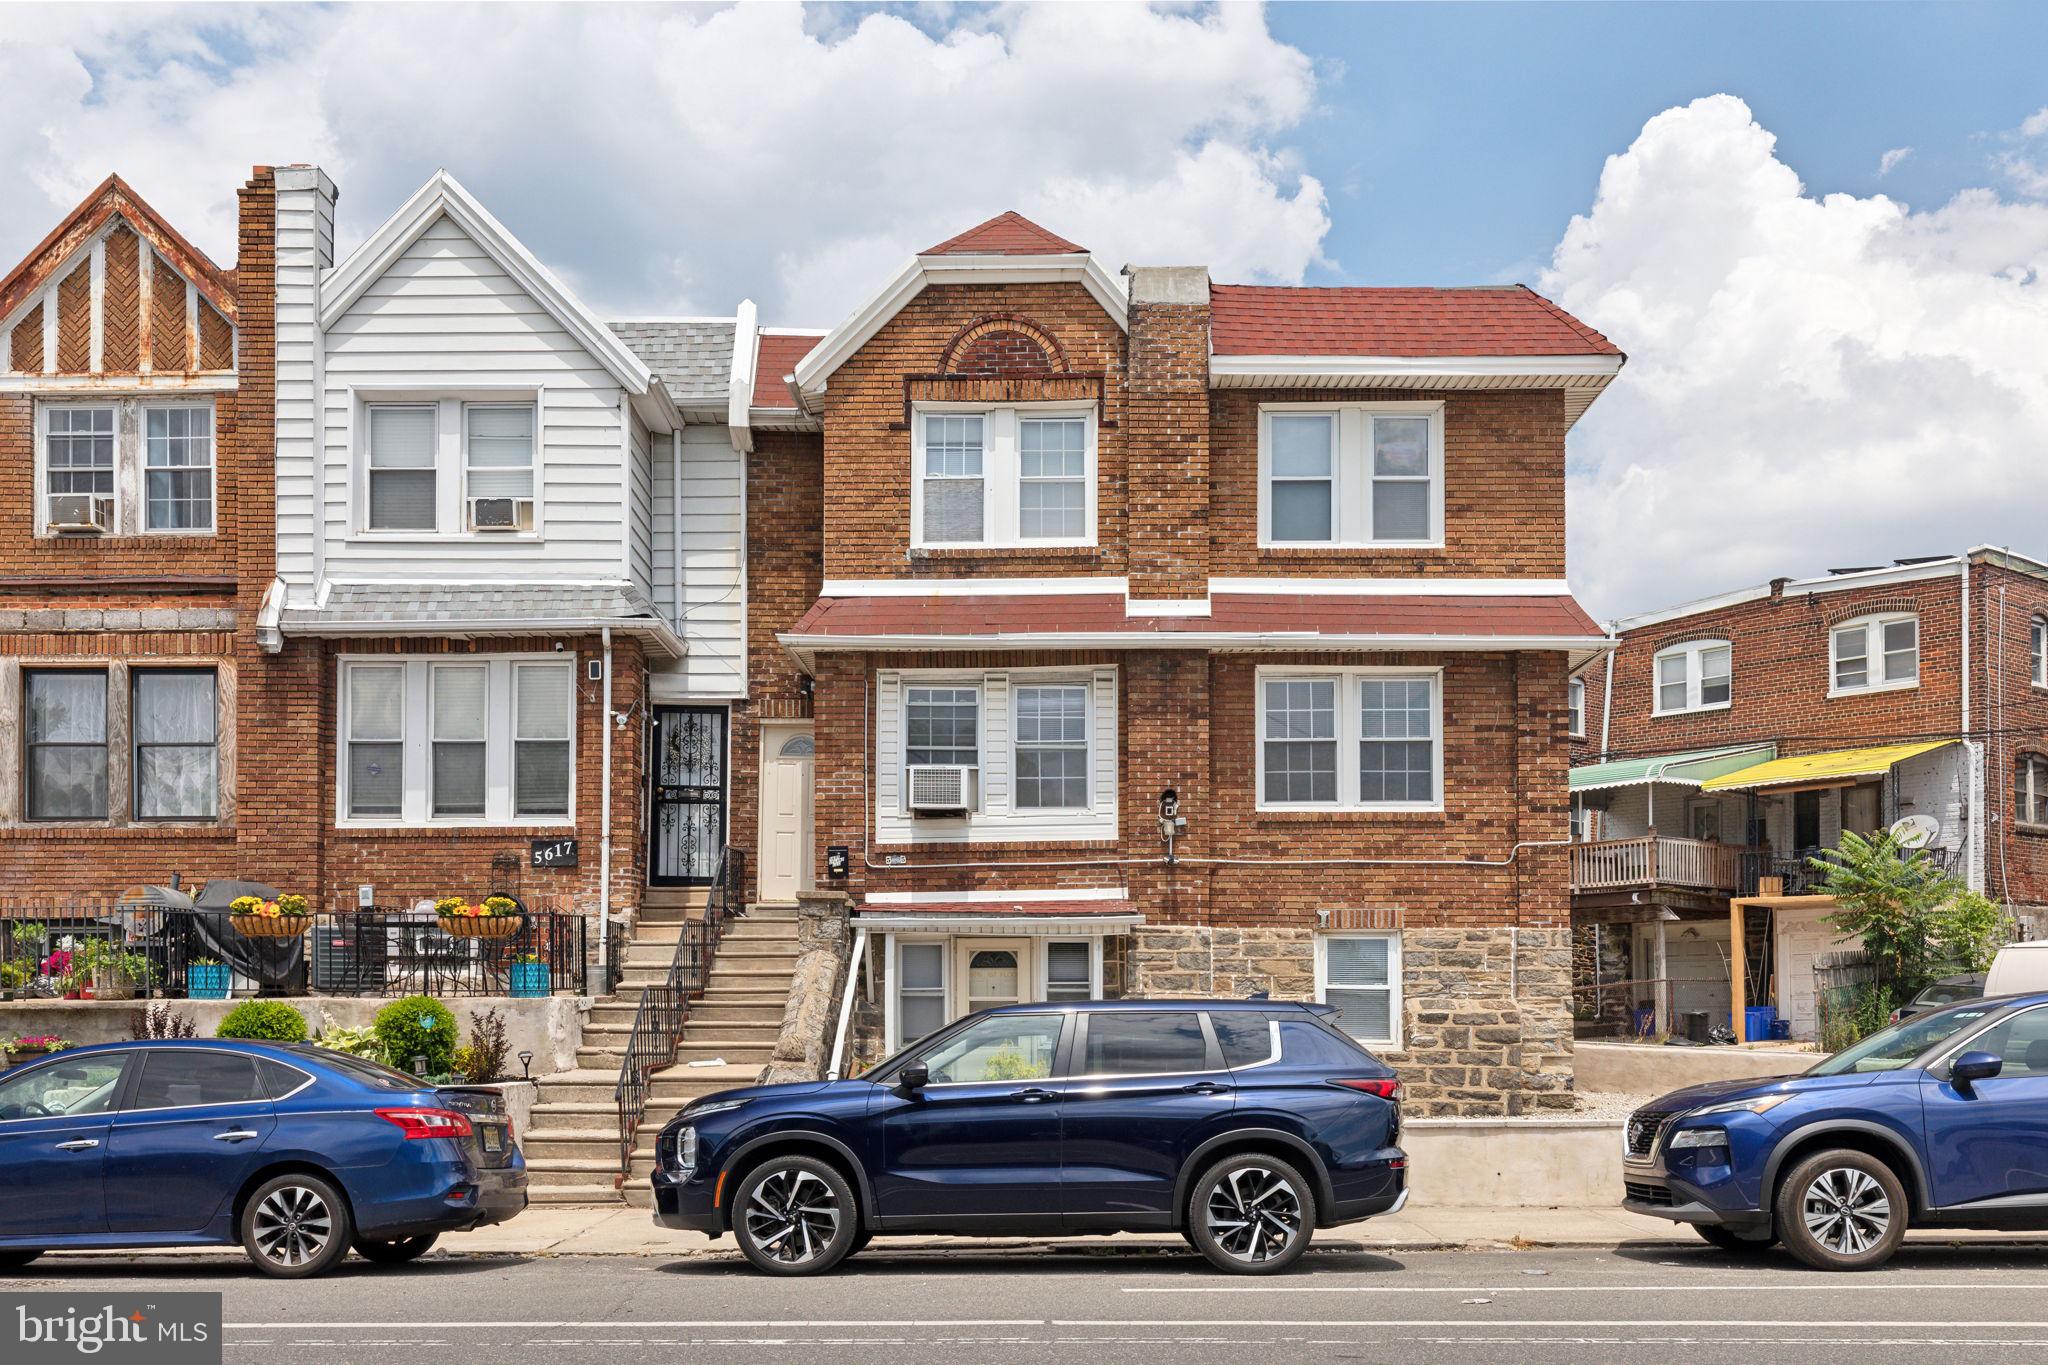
(2019, 968)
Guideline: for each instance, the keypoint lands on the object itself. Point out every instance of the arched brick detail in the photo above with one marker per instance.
(1897, 606)
(1003, 345)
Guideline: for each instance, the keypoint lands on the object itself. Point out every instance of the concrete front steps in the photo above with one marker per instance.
(572, 1145)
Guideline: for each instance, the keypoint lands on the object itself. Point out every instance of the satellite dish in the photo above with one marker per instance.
(1916, 831)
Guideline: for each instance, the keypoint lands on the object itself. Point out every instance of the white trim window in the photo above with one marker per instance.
(174, 724)
(1351, 475)
(177, 473)
(2037, 650)
(64, 744)
(403, 485)
(1874, 653)
(919, 993)
(1040, 744)
(1072, 970)
(2030, 789)
(1350, 739)
(1052, 746)
(1361, 975)
(79, 456)
(1002, 477)
(1575, 708)
(433, 741)
(497, 465)
(1695, 676)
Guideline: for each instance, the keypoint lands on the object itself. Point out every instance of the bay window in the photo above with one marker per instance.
(1874, 653)
(1011, 476)
(479, 741)
(1356, 475)
(1695, 676)
(1358, 739)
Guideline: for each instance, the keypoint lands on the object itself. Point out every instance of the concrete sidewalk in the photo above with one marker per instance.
(556, 1230)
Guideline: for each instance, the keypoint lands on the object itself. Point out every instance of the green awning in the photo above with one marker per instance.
(1691, 767)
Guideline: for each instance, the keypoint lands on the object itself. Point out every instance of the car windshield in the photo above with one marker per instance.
(1889, 1049)
(1948, 992)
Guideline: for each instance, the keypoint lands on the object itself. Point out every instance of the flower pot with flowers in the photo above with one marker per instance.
(207, 978)
(61, 970)
(492, 917)
(531, 979)
(32, 1046)
(285, 917)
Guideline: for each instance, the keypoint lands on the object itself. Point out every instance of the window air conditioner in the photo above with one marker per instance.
(938, 789)
(81, 512)
(500, 514)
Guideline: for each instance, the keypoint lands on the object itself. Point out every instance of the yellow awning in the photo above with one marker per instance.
(1835, 765)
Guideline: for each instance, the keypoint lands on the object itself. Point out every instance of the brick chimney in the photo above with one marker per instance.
(1166, 434)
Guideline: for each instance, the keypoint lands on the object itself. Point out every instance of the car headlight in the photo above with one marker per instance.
(698, 1111)
(1761, 1104)
(683, 1151)
(1699, 1137)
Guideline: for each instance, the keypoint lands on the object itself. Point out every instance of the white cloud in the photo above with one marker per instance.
(1812, 381)
(1889, 162)
(674, 159)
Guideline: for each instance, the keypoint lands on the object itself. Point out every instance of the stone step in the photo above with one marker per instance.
(709, 1011)
(580, 1194)
(744, 974)
(600, 1059)
(572, 1171)
(571, 1143)
(736, 1031)
(576, 1113)
(640, 1196)
(736, 1053)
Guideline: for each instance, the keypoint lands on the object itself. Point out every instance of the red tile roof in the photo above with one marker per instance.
(774, 360)
(1005, 909)
(1306, 614)
(1252, 319)
(1006, 234)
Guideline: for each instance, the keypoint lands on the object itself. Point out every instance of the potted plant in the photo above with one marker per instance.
(531, 978)
(110, 971)
(13, 979)
(34, 1045)
(61, 970)
(492, 917)
(285, 917)
(207, 978)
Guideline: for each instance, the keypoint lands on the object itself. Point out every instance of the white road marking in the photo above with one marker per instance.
(1883, 1287)
(1177, 1323)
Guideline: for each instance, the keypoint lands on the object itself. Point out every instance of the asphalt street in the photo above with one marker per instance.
(1119, 1303)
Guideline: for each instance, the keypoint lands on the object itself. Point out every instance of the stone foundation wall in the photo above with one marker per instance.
(1486, 1021)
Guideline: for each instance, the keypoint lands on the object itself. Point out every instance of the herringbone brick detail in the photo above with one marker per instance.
(121, 306)
(28, 342)
(216, 340)
(169, 343)
(74, 321)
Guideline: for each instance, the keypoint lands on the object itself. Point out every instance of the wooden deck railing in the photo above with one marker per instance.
(1659, 860)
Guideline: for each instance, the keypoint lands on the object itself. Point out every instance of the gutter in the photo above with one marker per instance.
(269, 635)
(658, 632)
(604, 844)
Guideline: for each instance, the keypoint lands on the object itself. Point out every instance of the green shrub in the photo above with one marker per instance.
(417, 1026)
(356, 1042)
(269, 1021)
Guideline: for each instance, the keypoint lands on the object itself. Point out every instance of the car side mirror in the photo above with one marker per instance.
(916, 1076)
(1974, 1066)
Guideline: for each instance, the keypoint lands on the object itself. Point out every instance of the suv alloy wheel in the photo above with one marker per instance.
(795, 1215)
(1251, 1214)
(1841, 1210)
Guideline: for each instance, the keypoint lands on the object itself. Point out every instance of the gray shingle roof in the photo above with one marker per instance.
(417, 608)
(693, 357)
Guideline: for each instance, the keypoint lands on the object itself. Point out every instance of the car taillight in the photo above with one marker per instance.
(428, 1123)
(1385, 1089)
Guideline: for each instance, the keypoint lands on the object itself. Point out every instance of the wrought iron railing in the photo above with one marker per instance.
(665, 1008)
(143, 951)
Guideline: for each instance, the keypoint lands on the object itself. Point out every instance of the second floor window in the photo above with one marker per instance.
(404, 486)
(1575, 708)
(177, 463)
(942, 726)
(443, 466)
(1695, 676)
(1363, 739)
(1874, 652)
(1003, 477)
(78, 460)
(1052, 747)
(1357, 475)
(2030, 789)
(125, 466)
(2037, 646)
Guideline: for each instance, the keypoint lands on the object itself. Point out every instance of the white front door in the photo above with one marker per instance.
(786, 764)
(992, 971)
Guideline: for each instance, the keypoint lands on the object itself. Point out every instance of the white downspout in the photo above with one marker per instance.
(604, 832)
(675, 525)
(1973, 776)
(1607, 699)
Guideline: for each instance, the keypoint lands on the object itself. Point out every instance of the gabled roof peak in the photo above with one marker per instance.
(1006, 234)
(111, 198)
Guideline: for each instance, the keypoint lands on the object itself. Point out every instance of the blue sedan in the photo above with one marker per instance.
(295, 1153)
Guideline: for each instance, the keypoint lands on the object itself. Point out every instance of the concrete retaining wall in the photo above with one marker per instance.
(1644, 1069)
(550, 1028)
(1513, 1163)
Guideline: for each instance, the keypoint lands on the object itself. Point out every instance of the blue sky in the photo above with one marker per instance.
(1829, 363)
(1506, 112)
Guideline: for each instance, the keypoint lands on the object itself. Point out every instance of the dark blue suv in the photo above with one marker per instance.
(1938, 1122)
(1244, 1125)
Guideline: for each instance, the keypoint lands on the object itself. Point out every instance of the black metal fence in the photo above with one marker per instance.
(147, 952)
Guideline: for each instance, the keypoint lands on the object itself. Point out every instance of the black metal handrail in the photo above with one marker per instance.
(665, 1009)
(147, 951)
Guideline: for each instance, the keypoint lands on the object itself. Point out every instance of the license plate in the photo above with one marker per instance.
(494, 1139)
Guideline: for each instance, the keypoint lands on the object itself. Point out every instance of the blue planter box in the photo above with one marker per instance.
(208, 983)
(531, 980)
